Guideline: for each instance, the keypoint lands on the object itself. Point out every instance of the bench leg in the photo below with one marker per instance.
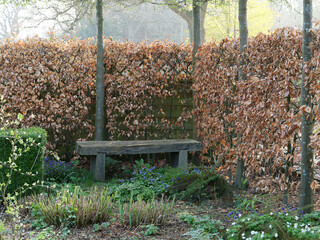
(97, 167)
(180, 159)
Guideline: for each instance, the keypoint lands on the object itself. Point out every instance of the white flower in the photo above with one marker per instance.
(233, 223)
(296, 218)
(303, 230)
(276, 235)
(270, 226)
(295, 225)
(271, 213)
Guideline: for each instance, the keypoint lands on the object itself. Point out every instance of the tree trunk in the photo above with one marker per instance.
(243, 27)
(196, 4)
(187, 15)
(196, 28)
(100, 123)
(305, 200)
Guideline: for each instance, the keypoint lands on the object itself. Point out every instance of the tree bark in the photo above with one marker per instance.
(196, 28)
(305, 201)
(187, 15)
(100, 123)
(243, 27)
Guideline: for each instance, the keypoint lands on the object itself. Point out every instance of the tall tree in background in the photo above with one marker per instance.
(100, 131)
(243, 27)
(307, 119)
(182, 9)
(10, 20)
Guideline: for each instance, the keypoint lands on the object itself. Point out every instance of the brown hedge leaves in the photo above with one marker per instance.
(257, 119)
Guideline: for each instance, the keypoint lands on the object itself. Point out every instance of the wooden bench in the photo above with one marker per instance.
(97, 150)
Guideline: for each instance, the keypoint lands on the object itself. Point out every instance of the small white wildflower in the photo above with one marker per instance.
(295, 225)
(302, 225)
(233, 223)
(303, 230)
(270, 226)
(271, 213)
(242, 234)
(296, 218)
(276, 235)
(287, 214)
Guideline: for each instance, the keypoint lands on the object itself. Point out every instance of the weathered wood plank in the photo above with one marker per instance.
(136, 147)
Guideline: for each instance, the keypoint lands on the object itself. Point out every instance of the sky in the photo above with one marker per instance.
(29, 23)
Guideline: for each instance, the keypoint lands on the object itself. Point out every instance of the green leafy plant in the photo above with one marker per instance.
(146, 181)
(98, 227)
(141, 212)
(203, 227)
(283, 225)
(14, 145)
(151, 230)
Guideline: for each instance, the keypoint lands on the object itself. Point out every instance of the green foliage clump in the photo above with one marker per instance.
(74, 208)
(196, 185)
(276, 226)
(59, 171)
(203, 227)
(29, 167)
(145, 182)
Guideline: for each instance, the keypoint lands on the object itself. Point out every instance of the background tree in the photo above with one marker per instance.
(307, 120)
(138, 23)
(183, 10)
(243, 26)
(222, 19)
(10, 20)
(100, 131)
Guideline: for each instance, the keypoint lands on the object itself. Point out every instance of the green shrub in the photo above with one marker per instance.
(197, 184)
(29, 166)
(141, 212)
(146, 181)
(75, 208)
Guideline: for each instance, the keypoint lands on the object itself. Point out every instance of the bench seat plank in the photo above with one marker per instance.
(136, 147)
(97, 150)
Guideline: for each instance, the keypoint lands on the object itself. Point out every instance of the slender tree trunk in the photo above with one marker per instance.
(196, 4)
(305, 200)
(243, 27)
(196, 29)
(100, 124)
(243, 24)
